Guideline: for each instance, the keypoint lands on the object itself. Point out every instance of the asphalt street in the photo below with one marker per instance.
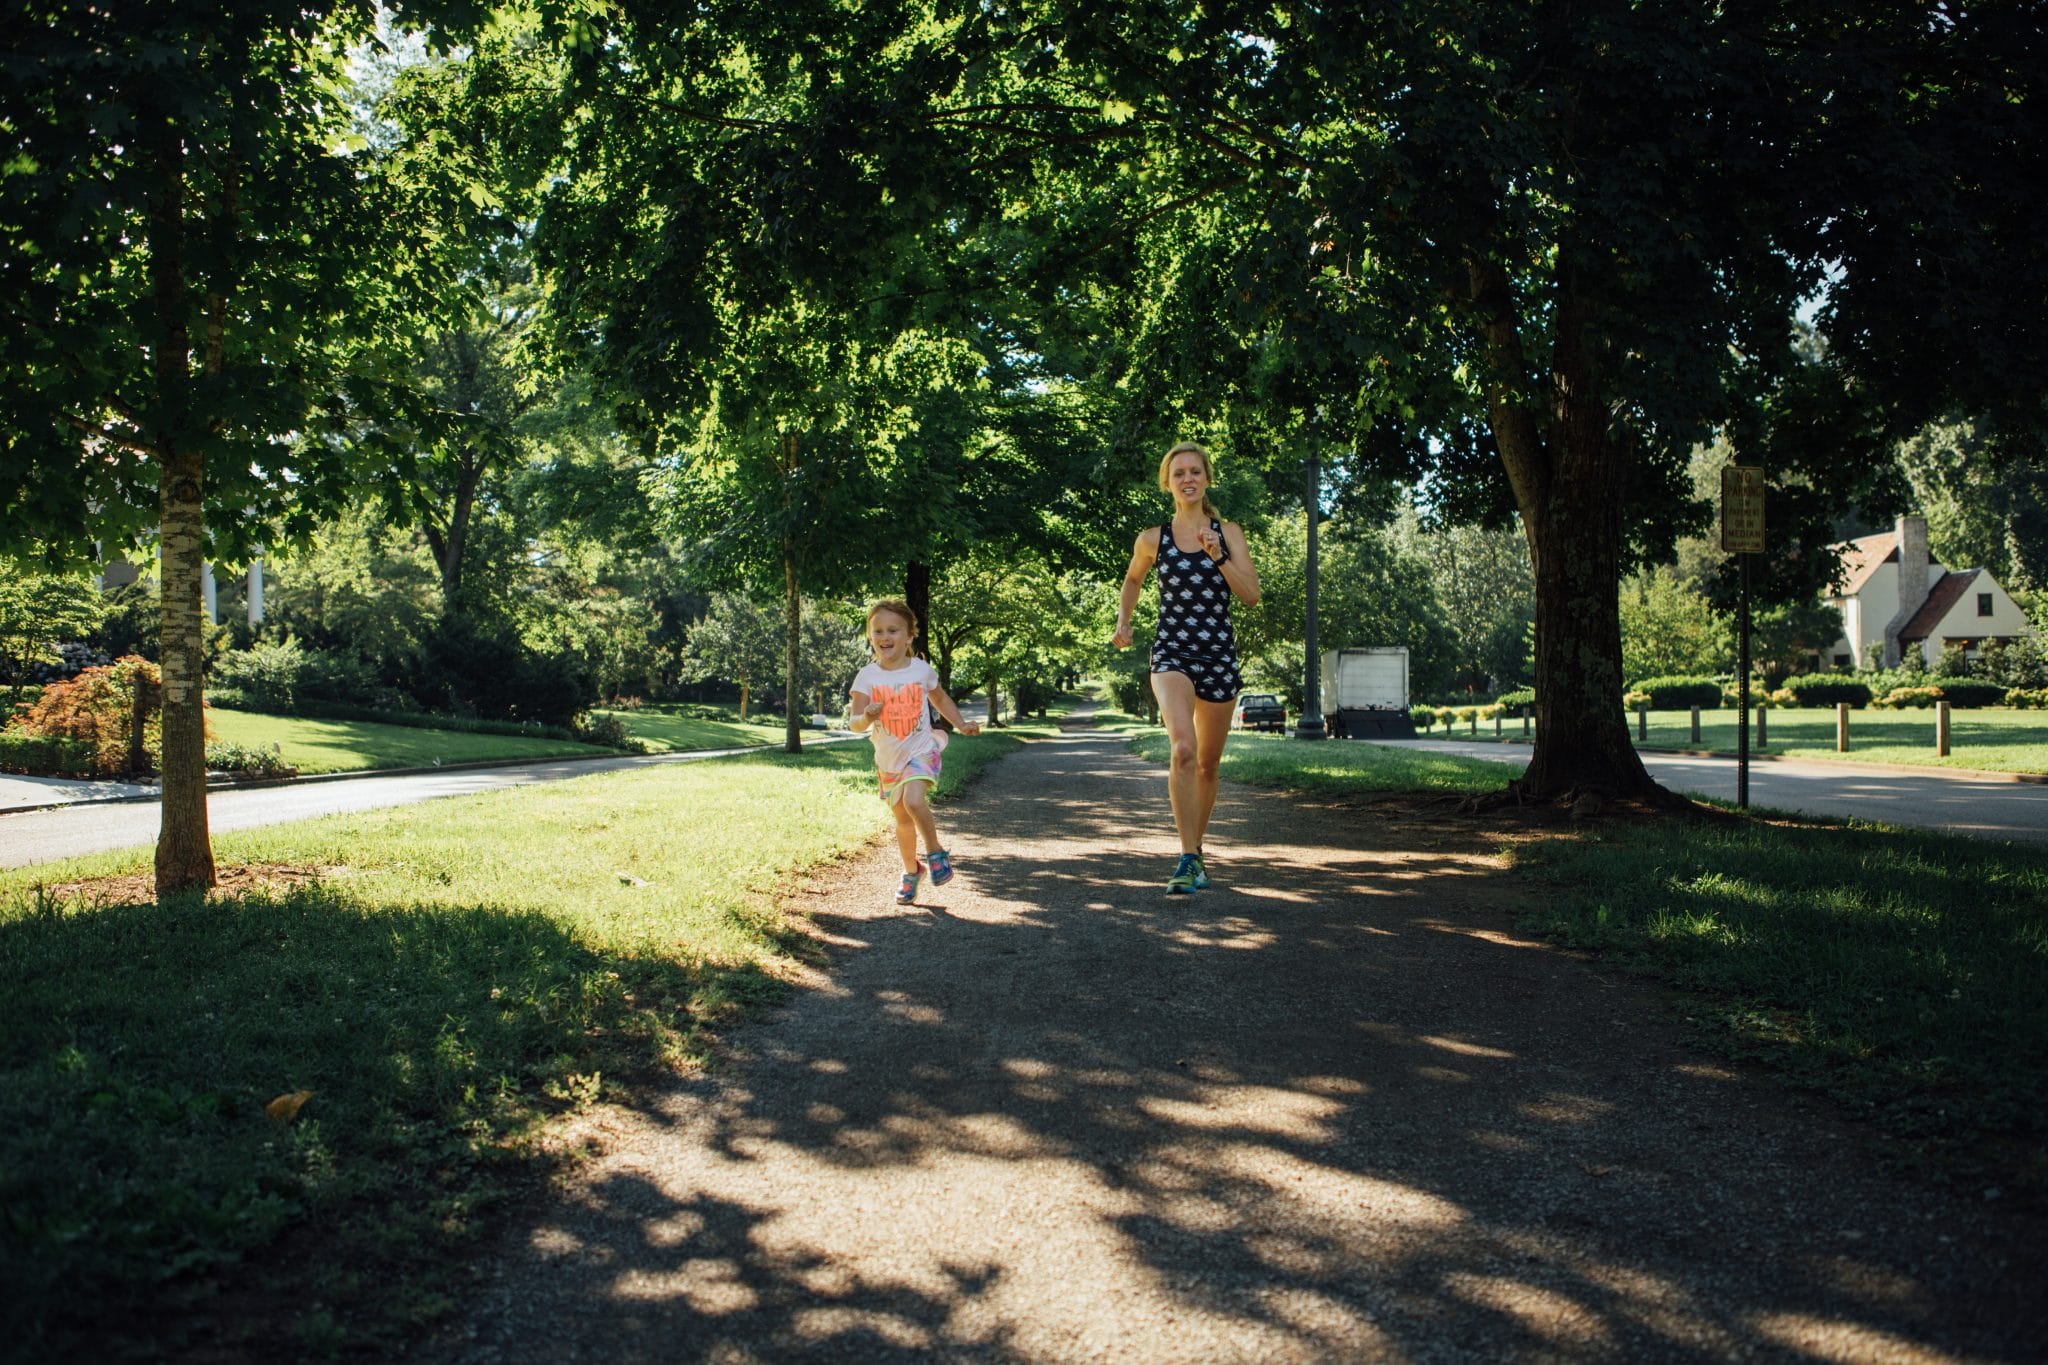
(94, 823)
(1944, 799)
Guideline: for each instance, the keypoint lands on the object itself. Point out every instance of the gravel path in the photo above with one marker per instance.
(1333, 1109)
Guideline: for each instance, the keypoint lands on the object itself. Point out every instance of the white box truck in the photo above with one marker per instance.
(1365, 693)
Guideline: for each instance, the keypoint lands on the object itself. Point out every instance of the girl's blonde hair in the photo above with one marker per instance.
(1208, 470)
(896, 605)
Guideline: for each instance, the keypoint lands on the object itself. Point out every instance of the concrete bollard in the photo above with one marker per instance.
(1695, 724)
(1841, 727)
(1941, 729)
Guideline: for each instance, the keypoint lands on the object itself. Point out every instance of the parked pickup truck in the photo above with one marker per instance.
(1258, 711)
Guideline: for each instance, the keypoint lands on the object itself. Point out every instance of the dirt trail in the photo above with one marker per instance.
(1332, 1109)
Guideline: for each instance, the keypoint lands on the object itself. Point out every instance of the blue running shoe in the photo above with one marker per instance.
(1201, 874)
(1182, 882)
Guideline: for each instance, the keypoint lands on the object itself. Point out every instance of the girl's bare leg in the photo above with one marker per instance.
(921, 813)
(1212, 728)
(1177, 705)
(906, 830)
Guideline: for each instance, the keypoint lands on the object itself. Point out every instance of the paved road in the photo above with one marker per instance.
(1334, 1109)
(1930, 798)
(42, 836)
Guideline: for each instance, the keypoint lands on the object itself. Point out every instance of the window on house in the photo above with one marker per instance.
(1983, 604)
(1842, 661)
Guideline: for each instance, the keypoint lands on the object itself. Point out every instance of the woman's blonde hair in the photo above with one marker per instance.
(1208, 469)
(896, 605)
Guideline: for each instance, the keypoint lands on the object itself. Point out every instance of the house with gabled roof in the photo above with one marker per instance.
(1895, 597)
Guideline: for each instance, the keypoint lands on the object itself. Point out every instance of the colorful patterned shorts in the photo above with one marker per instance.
(924, 768)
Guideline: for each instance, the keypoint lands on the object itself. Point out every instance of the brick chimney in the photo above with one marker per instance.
(1913, 584)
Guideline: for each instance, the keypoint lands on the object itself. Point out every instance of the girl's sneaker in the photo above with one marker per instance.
(906, 890)
(941, 864)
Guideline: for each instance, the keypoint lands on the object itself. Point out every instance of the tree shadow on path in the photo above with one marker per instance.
(1333, 1108)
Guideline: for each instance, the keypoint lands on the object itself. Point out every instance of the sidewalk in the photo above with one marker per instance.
(1333, 1109)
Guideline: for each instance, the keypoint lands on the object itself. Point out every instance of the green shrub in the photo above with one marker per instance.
(1423, 716)
(2027, 698)
(45, 755)
(1904, 698)
(1514, 701)
(596, 727)
(1680, 693)
(1828, 689)
(1969, 693)
(240, 758)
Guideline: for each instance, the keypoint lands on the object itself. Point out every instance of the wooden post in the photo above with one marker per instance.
(1525, 722)
(1841, 727)
(1695, 724)
(1642, 725)
(1496, 723)
(1763, 729)
(1941, 729)
(1475, 722)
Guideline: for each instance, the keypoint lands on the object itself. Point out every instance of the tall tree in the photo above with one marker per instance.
(199, 292)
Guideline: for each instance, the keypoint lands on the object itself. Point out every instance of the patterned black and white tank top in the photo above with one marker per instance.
(1194, 635)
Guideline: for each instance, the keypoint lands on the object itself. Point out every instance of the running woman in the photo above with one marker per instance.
(1202, 562)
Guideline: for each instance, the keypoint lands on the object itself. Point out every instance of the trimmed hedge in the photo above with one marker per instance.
(1514, 701)
(1681, 693)
(1968, 693)
(1828, 689)
(229, 699)
(45, 756)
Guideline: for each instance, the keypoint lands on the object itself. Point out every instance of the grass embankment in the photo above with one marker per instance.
(1904, 971)
(458, 974)
(676, 731)
(1983, 740)
(339, 746)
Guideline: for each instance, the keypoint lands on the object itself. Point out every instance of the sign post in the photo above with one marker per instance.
(1742, 535)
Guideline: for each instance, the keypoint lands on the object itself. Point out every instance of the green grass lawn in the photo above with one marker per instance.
(1903, 971)
(667, 732)
(336, 746)
(1985, 740)
(458, 973)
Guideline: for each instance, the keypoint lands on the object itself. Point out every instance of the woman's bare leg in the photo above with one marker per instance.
(1177, 706)
(1212, 728)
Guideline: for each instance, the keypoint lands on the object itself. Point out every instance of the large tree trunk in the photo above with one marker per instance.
(184, 846)
(449, 545)
(793, 613)
(917, 594)
(1567, 474)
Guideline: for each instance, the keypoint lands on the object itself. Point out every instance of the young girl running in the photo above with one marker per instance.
(1203, 561)
(889, 702)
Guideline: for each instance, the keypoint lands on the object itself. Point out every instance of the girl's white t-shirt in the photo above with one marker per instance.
(904, 729)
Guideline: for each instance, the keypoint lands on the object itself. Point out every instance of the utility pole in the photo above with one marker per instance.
(1309, 724)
